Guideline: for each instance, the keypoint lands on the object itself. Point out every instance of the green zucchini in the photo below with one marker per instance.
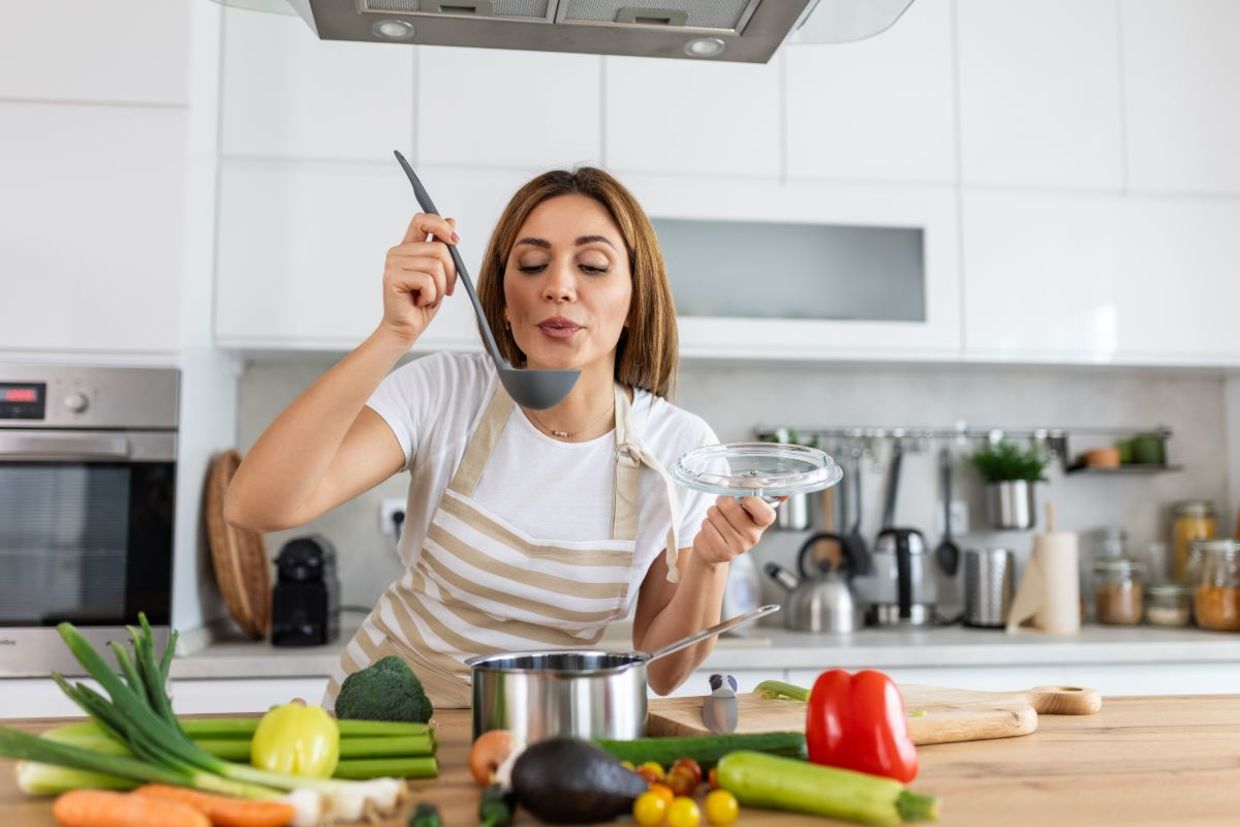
(768, 781)
(705, 749)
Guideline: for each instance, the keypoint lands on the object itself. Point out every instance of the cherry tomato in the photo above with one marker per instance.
(650, 775)
(684, 812)
(713, 779)
(692, 766)
(653, 766)
(664, 791)
(681, 781)
(721, 808)
(649, 810)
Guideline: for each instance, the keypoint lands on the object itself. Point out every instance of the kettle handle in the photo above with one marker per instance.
(904, 574)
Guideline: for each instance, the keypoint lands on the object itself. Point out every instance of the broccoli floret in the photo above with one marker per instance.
(387, 690)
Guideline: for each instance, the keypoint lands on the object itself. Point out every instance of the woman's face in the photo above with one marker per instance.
(567, 284)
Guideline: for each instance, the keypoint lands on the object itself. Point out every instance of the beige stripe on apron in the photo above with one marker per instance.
(481, 586)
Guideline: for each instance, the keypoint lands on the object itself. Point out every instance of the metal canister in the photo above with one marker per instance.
(989, 575)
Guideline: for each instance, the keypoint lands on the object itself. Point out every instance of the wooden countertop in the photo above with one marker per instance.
(1141, 761)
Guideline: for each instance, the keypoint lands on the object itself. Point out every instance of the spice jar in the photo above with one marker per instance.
(1217, 598)
(1118, 596)
(1168, 604)
(1193, 520)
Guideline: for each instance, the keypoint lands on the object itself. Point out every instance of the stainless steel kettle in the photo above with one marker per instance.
(825, 604)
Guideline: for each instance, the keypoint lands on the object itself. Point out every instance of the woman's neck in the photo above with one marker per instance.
(588, 410)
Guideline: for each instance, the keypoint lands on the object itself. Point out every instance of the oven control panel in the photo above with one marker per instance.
(54, 396)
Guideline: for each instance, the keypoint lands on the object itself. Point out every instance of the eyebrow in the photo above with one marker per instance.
(546, 245)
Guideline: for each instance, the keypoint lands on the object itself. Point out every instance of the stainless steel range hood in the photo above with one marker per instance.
(748, 31)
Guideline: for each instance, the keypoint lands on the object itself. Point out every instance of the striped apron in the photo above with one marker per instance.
(482, 586)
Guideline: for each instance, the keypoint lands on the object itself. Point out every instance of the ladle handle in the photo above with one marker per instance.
(718, 628)
(428, 206)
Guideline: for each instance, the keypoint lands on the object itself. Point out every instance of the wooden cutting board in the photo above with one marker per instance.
(950, 714)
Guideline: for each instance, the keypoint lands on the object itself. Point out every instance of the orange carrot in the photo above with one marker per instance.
(221, 810)
(97, 808)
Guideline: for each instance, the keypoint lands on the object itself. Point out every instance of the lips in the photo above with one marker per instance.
(559, 327)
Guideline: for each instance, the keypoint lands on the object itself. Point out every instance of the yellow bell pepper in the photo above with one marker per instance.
(297, 739)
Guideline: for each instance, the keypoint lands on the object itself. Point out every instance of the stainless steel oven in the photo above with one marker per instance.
(87, 484)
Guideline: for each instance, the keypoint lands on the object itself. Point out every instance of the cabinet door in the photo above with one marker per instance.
(285, 93)
(752, 207)
(302, 248)
(1041, 276)
(1181, 280)
(1040, 93)
(91, 227)
(1182, 94)
(683, 117)
(122, 51)
(498, 108)
(880, 109)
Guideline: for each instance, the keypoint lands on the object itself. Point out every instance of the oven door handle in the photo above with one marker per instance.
(63, 446)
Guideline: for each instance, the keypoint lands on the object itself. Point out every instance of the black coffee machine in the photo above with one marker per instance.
(305, 606)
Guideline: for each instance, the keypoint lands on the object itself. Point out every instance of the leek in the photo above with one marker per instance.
(779, 689)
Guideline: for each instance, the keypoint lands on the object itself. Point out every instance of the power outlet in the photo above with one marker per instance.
(388, 509)
(959, 517)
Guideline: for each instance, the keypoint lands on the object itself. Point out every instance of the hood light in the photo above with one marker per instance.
(705, 47)
(393, 29)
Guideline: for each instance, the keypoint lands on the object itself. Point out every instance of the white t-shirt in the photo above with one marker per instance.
(549, 489)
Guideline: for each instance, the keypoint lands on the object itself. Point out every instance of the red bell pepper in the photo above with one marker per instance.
(857, 722)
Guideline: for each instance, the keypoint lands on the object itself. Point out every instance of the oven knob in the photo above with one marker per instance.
(76, 401)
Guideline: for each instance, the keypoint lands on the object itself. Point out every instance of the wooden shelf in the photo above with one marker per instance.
(1130, 470)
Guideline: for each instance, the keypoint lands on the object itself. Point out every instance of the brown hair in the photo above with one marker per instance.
(647, 351)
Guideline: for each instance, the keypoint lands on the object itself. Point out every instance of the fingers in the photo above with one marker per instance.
(423, 224)
(760, 511)
(432, 267)
(421, 286)
(711, 545)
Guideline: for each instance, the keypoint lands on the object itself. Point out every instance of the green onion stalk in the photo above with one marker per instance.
(138, 714)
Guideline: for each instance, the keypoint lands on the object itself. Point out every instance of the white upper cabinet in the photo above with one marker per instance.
(121, 51)
(286, 94)
(686, 117)
(1040, 93)
(91, 223)
(880, 109)
(776, 310)
(486, 108)
(302, 249)
(1182, 87)
(1099, 278)
(1040, 276)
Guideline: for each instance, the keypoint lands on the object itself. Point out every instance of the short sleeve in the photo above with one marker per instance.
(693, 503)
(405, 396)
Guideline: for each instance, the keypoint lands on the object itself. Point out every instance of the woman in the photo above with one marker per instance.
(525, 529)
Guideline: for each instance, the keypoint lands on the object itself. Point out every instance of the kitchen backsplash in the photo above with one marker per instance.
(734, 397)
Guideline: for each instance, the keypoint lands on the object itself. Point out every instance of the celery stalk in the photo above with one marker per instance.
(364, 768)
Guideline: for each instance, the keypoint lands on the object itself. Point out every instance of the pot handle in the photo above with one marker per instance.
(718, 628)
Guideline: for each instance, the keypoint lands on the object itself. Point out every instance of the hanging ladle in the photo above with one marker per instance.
(537, 389)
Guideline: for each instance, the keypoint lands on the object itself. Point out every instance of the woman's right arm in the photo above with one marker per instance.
(327, 446)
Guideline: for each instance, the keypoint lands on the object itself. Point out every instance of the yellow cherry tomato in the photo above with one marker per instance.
(684, 812)
(721, 808)
(654, 768)
(649, 809)
(663, 791)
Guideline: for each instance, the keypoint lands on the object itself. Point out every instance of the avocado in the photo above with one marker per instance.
(572, 781)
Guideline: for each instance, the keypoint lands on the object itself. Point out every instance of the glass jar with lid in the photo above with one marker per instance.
(1168, 604)
(1192, 520)
(1216, 600)
(1118, 593)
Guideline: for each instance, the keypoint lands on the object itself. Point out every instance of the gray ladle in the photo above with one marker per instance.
(537, 389)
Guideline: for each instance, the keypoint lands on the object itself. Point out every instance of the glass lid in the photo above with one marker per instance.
(762, 469)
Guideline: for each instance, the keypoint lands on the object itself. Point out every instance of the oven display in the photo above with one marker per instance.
(25, 401)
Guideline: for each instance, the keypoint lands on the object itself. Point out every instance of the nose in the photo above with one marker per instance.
(559, 282)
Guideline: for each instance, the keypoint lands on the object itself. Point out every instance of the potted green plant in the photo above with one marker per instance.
(1010, 473)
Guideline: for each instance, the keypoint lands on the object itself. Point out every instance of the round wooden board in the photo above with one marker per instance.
(237, 555)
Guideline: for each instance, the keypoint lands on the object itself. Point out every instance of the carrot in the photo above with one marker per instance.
(97, 808)
(221, 810)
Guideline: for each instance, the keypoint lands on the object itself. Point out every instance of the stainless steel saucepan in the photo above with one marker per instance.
(585, 693)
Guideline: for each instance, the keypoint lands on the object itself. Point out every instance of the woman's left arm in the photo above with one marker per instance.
(667, 611)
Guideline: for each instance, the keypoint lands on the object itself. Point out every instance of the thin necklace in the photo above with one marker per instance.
(565, 434)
